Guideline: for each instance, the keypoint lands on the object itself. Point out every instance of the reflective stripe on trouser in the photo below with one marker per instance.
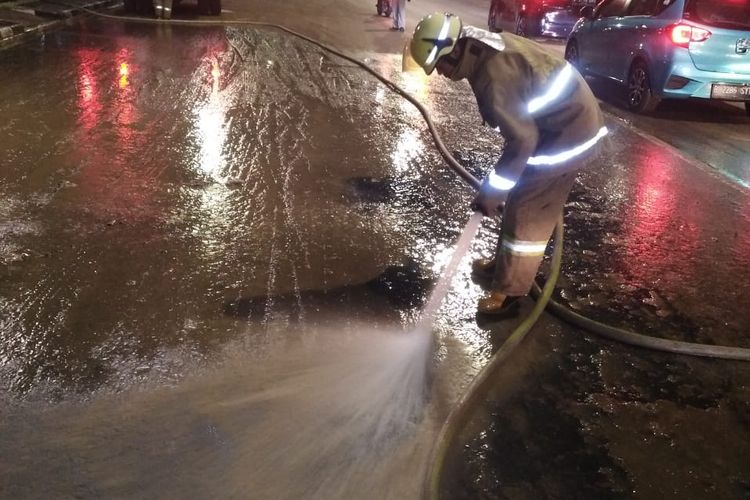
(529, 217)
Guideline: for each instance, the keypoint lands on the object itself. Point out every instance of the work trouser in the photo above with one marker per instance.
(529, 217)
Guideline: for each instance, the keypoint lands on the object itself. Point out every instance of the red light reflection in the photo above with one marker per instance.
(110, 176)
(87, 87)
(89, 106)
(660, 237)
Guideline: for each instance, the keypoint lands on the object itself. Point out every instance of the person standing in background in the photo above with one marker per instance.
(399, 15)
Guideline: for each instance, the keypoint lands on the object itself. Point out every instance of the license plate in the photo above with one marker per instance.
(730, 92)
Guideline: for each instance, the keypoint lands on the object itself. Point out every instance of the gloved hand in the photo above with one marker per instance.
(489, 200)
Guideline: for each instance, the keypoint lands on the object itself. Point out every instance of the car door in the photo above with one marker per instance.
(627, 36)
(600, 37)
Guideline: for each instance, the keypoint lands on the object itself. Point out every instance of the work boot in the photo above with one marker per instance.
(497, 304)
(483, 268)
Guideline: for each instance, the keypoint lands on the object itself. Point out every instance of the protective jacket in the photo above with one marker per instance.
(541, 105)
(551, 123)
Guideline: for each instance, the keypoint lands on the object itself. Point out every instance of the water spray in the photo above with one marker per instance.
(441, 289)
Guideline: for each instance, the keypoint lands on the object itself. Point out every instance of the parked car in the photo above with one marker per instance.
(666, 49)
(552, 18)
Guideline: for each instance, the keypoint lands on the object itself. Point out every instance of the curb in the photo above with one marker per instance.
(35, 16)
(70, 8)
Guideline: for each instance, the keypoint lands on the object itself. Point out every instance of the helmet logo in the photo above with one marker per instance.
(440, 43)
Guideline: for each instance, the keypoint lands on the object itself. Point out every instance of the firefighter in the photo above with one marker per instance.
(552, 126)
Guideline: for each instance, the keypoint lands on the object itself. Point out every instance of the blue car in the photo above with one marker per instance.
(666, 49)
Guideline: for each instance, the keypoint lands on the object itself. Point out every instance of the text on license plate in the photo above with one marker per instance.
(730, 92)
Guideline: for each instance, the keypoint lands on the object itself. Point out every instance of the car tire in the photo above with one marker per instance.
(639, 97)
(747, 107)
(573, 56)
(522, 26)
(491, 24)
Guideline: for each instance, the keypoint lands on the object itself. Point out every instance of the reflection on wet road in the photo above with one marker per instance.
(180, 207)
(188, 180)
(715, 133)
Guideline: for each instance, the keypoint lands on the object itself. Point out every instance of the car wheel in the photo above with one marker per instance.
(640, 98)
(522, 27)
(573, 56)
(491, 19)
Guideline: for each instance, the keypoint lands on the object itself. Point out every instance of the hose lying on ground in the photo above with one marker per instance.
(479, 385)
(640, 340)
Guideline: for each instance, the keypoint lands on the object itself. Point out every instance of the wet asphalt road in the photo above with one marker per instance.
(177, 197)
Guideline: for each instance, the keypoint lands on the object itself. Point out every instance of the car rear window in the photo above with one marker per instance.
(644, 7)
(612, 8)
(720, 13)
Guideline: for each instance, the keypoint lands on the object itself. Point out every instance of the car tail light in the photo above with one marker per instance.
(682, 34)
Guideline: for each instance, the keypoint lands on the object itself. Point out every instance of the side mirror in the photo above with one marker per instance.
(587, 11)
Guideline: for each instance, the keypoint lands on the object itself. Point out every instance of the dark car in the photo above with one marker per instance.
(552, 18)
